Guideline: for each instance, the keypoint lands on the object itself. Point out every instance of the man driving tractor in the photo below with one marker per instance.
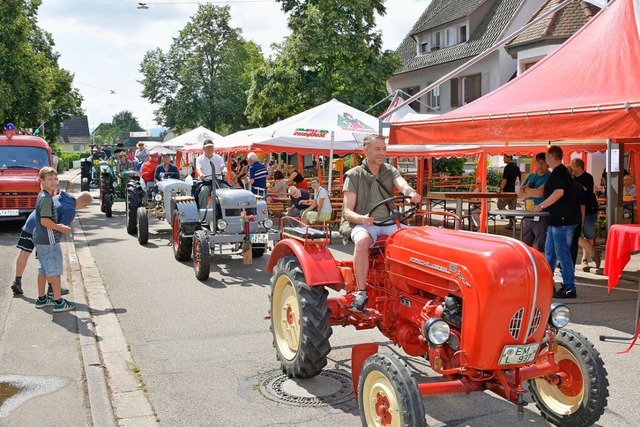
(365, 187)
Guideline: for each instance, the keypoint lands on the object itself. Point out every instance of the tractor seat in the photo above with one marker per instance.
(378, 246)
(304, 233)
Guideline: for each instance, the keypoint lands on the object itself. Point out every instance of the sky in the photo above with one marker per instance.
(102, 42)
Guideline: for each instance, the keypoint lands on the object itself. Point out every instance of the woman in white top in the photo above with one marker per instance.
(319, 206)
(141, 153)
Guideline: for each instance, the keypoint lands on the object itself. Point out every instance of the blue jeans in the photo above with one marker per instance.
(558, 248)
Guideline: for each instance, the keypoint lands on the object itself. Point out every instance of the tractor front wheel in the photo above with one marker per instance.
(134, 198)
(84, 184)
(299, 321)
(388, 395)
(108, 203)
(143, 226)
(201, 255)
(181, 245)
(577, 395)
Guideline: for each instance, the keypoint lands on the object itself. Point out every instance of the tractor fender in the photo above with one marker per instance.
(318, 265)
(187, 214)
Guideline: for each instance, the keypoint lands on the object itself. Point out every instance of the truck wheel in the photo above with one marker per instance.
(181, 245)
(108, 203)
(84, 184)
(201, 251)
(582, 396)
(388, 395)
(258, 251)
(143, 226)
(299, 321)
(133, 202)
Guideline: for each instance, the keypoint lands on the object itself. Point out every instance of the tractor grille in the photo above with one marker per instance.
(537, 318)
(516, 324)
(237, 212)
(18, 200)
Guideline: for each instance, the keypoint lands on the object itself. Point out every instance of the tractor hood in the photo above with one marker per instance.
(505, 286)
(235, 198)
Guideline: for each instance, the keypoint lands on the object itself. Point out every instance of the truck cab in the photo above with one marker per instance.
(21, 158)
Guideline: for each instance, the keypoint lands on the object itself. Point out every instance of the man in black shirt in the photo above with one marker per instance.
(510, 174)
(585, 179)
(564, 217)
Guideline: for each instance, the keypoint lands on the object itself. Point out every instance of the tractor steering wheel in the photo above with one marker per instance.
(396, 215)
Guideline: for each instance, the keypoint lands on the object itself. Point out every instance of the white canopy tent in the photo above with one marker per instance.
(193, 138)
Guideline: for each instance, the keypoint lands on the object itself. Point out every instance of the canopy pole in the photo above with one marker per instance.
(609, 186)
(478, 58)
(330, 164)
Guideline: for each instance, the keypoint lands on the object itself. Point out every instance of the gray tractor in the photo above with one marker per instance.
(234, 218)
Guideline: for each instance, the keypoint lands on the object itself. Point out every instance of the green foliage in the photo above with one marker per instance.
(334, 51)
(33, 88)
(453, 166)
(67, 158)
(120, 126)
(203, 79)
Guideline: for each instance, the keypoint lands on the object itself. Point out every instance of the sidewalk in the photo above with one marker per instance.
(53, 359)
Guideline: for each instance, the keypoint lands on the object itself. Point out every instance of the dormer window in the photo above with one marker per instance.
(463, 33)
(435, 40)
(424, 47)
(449, 37)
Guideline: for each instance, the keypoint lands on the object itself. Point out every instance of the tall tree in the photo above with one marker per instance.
(120, 126)
(33, 88)
(203, 78)
(333, 51)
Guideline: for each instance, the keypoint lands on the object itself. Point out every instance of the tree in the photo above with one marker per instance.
(33, 88)
(332, 52)
(203, 78)
(120, 126)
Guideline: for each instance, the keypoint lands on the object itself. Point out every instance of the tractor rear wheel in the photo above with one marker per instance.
(258, 249)
(299, 321)
(108, 203)
(84, 184)
(143, 225)
(133, 202)
(388, 395)
(201, 255)
(581, 395)
(182, 246)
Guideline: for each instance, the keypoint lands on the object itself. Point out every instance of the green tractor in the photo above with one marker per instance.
(113, 185)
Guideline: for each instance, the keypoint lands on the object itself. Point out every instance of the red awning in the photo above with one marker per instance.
(587, 89)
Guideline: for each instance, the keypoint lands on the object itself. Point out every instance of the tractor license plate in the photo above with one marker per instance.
(518, 354)
(259, 238)
(9, 212)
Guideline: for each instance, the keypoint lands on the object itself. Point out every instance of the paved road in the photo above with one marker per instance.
(202, 349)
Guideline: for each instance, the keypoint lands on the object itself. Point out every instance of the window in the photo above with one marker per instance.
(433, 98)
(412, 91)
(449, 37)
(463, 34)
(424, 47)
(435, 40)
(465, 90)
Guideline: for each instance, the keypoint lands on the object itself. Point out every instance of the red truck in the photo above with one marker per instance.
(21, 158)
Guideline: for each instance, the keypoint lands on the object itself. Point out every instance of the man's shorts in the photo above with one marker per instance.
(25, 242)
(589, 229)
(50, 260)
(374, 231)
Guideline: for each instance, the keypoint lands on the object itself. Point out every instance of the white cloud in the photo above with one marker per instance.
(103, 42)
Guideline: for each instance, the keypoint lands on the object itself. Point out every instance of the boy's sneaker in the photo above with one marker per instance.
(63, 291)
(17, 288)
(42, 303)
(563, 293)
(63, 306)
(359, 302)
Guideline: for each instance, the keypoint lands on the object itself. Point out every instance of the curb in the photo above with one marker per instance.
(115, 393)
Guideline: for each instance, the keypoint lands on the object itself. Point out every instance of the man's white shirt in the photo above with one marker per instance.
(204, 164)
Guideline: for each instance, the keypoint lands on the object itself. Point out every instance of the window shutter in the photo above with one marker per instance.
(454, 93)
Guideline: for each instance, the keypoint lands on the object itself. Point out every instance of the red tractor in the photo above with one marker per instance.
(477, 307)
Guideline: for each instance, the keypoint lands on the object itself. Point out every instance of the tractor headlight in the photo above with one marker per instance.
(221, 224)
(158, 197)
(559, 315)
(268, 223)
(436, 330)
